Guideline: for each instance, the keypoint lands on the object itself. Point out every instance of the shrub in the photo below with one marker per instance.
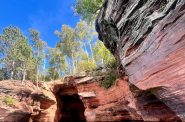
(86, 66)
(109, 79)
(8, 100)
(111, 63)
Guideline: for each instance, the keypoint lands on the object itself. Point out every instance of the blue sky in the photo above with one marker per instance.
(43, 15)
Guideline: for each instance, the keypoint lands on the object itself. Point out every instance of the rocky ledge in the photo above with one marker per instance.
(26, 103)
(148, 39)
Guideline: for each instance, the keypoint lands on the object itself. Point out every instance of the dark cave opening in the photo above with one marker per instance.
(72, 109)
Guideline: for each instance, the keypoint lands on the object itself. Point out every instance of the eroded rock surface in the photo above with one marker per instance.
(148, 38)
(25, 103)
(121, 102)
(81, 98)
(100, 104)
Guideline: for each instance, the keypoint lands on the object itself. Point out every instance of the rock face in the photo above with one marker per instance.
(80, 98)
(94, 103)
(114, 104)
(148, 38)
(26, 103)
(84, 99)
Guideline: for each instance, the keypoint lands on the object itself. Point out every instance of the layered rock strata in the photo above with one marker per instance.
(148, 38)
(121, 102)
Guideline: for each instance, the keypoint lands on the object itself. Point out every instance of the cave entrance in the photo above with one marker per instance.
(71, 106)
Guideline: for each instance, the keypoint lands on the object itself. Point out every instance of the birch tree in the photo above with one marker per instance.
(38, 46)
(102, 55)
(86, 34)
(69, 44)
(57, 63)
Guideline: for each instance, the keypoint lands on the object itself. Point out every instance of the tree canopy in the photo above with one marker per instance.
(88, 9)
(78, 49)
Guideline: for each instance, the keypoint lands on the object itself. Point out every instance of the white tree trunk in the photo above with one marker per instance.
(24, 76)
(11, 77)
(59, 72)
(92, 53)
(12, 71)
(73, 64)
(86, 52)
(102, 61)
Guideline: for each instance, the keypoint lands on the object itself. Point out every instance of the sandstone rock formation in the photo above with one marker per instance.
(148, 38)
(25, 103)
(83, 98)
(97, 103)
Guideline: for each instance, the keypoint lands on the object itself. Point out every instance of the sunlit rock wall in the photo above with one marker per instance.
(148, 37)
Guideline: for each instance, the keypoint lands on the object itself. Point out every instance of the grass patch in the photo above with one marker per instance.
(8, 100)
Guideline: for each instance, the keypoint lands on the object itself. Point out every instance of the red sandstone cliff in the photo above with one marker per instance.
(121, 102)
(81, 98)
(148, 38)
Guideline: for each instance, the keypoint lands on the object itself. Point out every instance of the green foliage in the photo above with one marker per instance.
(77, 51)
(110, 79)
(53, 74)
(86, 34)
(111, 62)
(15, 50)
(8, 45)
(48, 78)
(86, 65)
(38, 44)
(103, 56)
(2, 75)
(25, 56)
(39, 47)
(68, 42)
(57, 63)
(69, 45)
(18, 56)
(31, 74)
(74, 45)
(8, 100)
(81, 30)
(88, 9)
